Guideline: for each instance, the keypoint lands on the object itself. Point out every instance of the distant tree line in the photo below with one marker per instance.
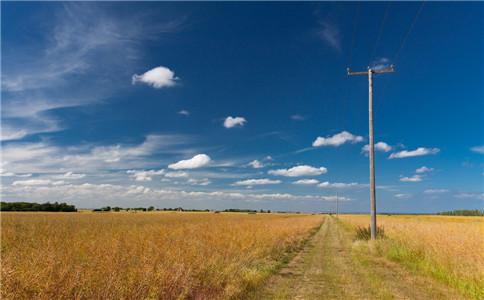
(246, 210)
(27, 206)
(462, 212)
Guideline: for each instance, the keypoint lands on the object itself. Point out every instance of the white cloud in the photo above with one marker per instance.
(424, 169)
(298, 117)
(470, 196)
(87, 41)
(203, 182)
(330, 34)
(433, 191)
(140, 175)
(341, 185)
(32, 182)
(418, 152)
(12, 135)
(478, 149)
(403, 196)
(381, 63)
(337, 139)
(303, 170)
(198, 161)
(256, 164)
(184, 112)
(70, 175)
(380, 146)
(158, 77)
(176, 174)
(37, 182)
(232, 122)
(306, 181)
(257, 182)
(4, 173)
(414, 178)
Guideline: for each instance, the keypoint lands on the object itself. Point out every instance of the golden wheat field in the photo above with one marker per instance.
(145, 255)
(449, 248)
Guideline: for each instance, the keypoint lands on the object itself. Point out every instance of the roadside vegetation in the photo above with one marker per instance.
(449, 249)
(161, 255)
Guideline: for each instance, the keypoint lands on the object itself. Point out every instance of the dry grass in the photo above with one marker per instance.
(449, 248)
(145, 255)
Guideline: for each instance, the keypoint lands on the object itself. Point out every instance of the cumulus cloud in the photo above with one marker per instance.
(424, 169)
(337, 139)
(256, 164)
(158, 78)
(306, 181)
(184, 112)
(232, 122)
(198, 161)
(414, 178)
(418, 152)
(478, 149)
(257, 182)
(432, 191)
(303, 170)
(140, 175)
(326, 184)
(380, 146)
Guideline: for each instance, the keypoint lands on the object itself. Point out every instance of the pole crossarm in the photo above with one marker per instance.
(374, 72)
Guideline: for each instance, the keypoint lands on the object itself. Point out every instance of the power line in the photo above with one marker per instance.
(408, 33)
(398, 54)
(349, 62)
(379, 33)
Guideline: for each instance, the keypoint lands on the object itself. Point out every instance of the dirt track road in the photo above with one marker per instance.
(328, 269)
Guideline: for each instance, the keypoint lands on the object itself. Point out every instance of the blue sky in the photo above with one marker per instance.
(247, 105)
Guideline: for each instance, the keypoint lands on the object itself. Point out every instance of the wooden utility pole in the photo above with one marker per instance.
(371, 144)
(337, 216)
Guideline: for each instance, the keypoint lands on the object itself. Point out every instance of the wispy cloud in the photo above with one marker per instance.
(403, 196)
(337, 139)
(303, 170)
(436, 191)
(329, 33)
(184, 112)
(233, 122)
(470, 196)
(478, 149)
(327, 184)
(414, 178)
(86, 42)
(298, 117)
(158, 77)
(257, 182)
(381, 63)
(306, 181)
(418, 152)
(141, 175)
